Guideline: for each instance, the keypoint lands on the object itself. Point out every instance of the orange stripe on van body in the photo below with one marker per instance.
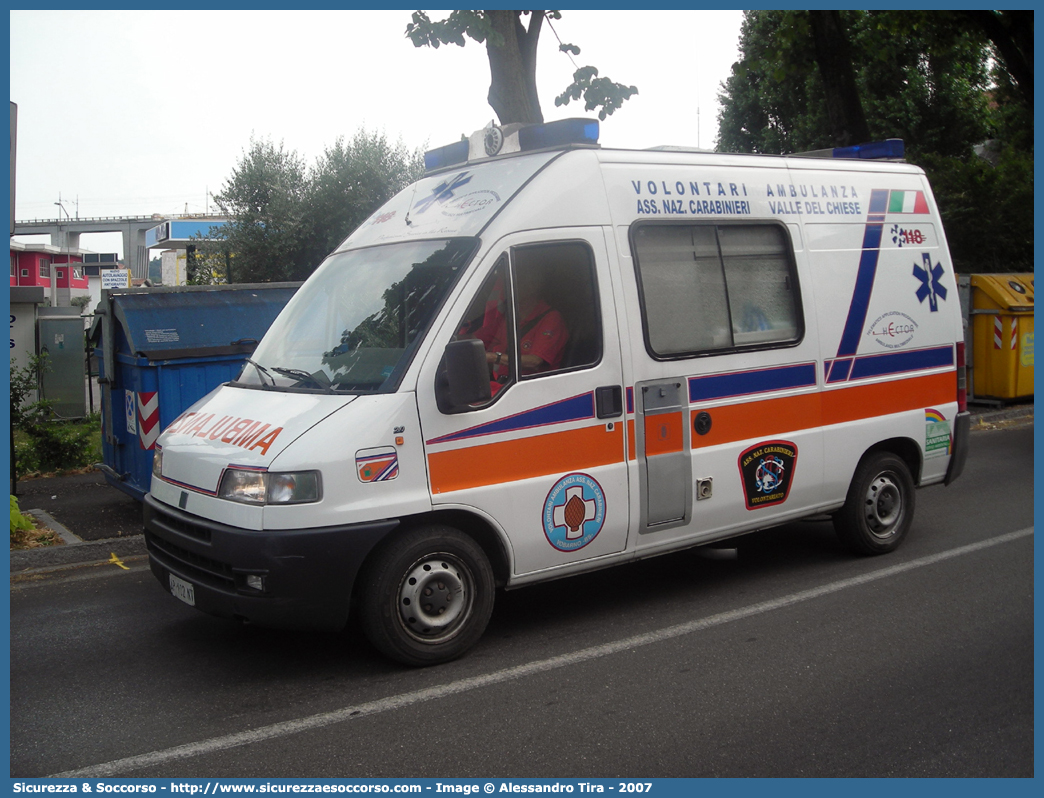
(540, 455)
(759, 419)
(664, 433)
(592, 446)
(852, 403)
(881, 398)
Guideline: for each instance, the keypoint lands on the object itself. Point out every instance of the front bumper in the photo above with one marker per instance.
(308, 573)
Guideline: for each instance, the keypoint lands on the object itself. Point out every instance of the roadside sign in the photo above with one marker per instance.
(115, 278)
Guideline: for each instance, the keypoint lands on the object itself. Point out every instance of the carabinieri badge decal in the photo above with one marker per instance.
(767, 470)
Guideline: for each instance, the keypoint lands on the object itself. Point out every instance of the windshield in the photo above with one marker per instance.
(354, 325)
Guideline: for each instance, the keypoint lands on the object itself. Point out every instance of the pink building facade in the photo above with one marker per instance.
(32, 264)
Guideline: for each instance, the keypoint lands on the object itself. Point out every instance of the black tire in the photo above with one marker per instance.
(879, 507)
(426, 595)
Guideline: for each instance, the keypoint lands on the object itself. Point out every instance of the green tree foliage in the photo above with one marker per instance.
(50, 445)
(911, 86)
(933, 79)
(285, 217)
(20, 522)
(511, 47)
(211, 263)
(349, 182)
(27, 409)
(264, 200)
(80, 302)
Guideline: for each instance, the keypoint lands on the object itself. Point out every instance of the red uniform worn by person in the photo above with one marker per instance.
(544, 336)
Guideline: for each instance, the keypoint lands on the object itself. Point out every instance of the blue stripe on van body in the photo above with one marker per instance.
(867, 272)
(888, 364)
(838, 370)
(901, 362)
(746, 383)
(576, 408)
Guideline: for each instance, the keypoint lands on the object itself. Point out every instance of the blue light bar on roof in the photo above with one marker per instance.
(874, 150)
(887, 150)
(558, 134)
(493, 141)
(451, 154)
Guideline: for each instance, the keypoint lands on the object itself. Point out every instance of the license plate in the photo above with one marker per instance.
(182, 590)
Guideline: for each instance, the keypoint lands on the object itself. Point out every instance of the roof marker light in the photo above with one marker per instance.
(875, 150)
(558, 134)
(507, 139)
(887, 150)
(451, 154)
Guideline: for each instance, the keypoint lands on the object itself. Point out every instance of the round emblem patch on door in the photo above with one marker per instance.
(574, 512)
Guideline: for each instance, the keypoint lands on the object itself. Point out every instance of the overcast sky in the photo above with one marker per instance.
(141, 112)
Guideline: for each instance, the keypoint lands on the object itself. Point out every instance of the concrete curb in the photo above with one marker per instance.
(1002, 414)
(79, 553)
(45, 518)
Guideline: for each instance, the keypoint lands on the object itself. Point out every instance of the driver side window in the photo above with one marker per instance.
(489, 319)
(536, 314)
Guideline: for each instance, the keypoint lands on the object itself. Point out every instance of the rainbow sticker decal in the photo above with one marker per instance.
(937, 438)
(574, 512)
(377, 465)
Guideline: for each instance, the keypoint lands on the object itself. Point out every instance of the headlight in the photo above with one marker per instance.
(293, 488)
(240, 485)
(157, 462)
(264, 487)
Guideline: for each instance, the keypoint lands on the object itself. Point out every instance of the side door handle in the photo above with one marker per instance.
(609, 401)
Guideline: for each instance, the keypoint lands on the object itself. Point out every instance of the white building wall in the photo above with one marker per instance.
(175, 267)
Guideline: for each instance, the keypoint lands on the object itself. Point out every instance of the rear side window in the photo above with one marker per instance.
(716, 287)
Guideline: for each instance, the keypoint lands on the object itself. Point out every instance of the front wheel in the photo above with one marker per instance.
(427, 595)
(879, 507)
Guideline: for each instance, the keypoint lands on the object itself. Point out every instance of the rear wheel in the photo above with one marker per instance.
(426, 596)
(879, 507)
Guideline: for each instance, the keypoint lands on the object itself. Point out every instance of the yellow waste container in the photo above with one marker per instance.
(1002, 334)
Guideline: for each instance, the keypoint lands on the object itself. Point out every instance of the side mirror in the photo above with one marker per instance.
(466, 375)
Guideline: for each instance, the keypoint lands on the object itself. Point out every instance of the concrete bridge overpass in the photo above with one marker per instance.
(66, 233)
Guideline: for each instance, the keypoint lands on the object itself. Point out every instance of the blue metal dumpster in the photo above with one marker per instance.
(162, 350)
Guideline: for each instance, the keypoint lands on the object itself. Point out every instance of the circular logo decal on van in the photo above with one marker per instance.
(574, 512)
(476, 201)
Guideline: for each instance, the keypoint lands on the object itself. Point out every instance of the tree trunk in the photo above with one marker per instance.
(834, 57)
(512, 67)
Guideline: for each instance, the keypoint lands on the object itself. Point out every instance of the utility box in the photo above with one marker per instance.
(162, 349)
(1000, 312)
(60, 336)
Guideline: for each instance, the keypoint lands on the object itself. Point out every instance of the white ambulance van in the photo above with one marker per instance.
(546, 357)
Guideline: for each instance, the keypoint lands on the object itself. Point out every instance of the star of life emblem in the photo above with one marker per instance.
(443, 192)
(931, 287)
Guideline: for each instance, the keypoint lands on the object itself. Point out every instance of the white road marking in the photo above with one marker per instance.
(287, 728)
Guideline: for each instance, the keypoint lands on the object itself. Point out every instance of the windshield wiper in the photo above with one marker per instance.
(304, 376)
(263, 372)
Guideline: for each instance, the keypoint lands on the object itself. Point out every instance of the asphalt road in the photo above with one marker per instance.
(793, 659)
(83, 503)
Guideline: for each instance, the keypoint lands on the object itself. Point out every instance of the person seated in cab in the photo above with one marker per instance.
(542, 332)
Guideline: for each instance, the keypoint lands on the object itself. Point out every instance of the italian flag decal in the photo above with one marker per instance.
(907, 202)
